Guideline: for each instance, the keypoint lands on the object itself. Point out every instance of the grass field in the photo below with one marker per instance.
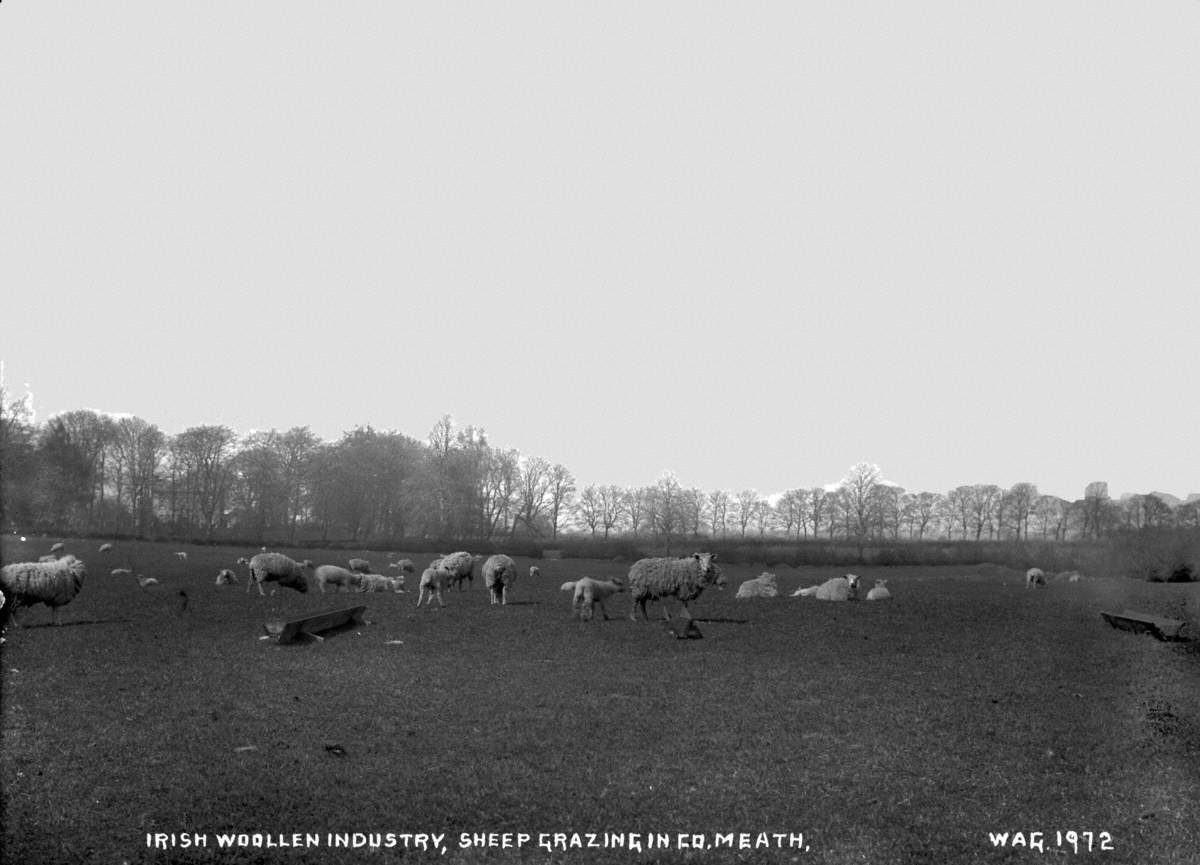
(895, 732)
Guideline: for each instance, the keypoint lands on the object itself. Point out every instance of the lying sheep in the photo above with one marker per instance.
(588, 593)
(380, 583)
(844, 588)
(1035, 577)
(106, 548)
(404, 566)
(762, 586)
(226, 577)
(879, 592)
(499, 574)
(360, 565)
(337, 577)
(433, 580)
(660, 578)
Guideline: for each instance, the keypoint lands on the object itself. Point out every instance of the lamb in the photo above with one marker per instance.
(51, 583)
(499, 575)
(657, 579)
(459, 567)
(590, 592)
(1035, 577)
(762, 586)
(338, 577)
(360, 565)
(380, 583)
(844, 588)
(404, 566)
(432, 582)
(226, 577)
(879, 592)
(277, 568)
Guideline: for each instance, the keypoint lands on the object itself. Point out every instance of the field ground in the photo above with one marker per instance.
(894, 732)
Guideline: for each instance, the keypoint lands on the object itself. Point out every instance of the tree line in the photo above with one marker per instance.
(84, 472)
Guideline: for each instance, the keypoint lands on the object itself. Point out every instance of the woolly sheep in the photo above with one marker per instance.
(844, 588)
(404, 566)
(380, 583)
(226, 577)
(1035, 577)
(182, 556)
(879, 592)
(534, 572)
(360, 565)
(57, 547)
(762, 586)
(277, 568)
(146, 582)
(458, 566)
(590, 592)
(685, 579)
(51, 583)
(121, 572)
(499, 574)
(105, 548)
(432, 582)
(49, 557)
(337, 577)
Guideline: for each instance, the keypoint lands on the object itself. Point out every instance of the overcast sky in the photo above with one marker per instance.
(751, 244)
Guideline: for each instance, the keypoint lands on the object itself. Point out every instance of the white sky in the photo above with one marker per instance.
(752, 244)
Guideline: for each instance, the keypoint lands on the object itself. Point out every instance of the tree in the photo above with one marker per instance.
(63, 480)
(857, 488)
(1097, 510)
(590, 507)
(533, 482)
(1021, 499)
(718, 511)
(562, 487)
(140, 448)
(745, 509)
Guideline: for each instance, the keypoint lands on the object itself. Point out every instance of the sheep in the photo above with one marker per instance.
(49, 557)
(106, 548)
(404, 566)
(121, 572)
(844, 588)
(360, 565)
(277, 568)
(57, 547)
(51, 583)
(879, 592)
(182, 556)
(499, 575)
(589, 592)
(534, 572)
(146, 582)
(242, 560)
(380, 583)
(657, 579)
(459, 567)
(432, 582)
(762, 586)
(226, 577)
(1035, 577)
(1070, 576)
(338, 577)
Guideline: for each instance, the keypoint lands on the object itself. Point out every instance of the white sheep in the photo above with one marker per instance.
(589, 592)
(764, 585)
(277, 568)
(658, 579)
(459, 566)
(51, 583)
(49, 557)
(404, 566)
(433, 580)
(879, 592)
(106, 548)
(226, 577)
(121, 572)
(844, 588)
(182, 556)
(360, 565)
(57, 547)
(380, 583)
(534, 572)
(337, 577)
(499, 575)
(146, 582)
(1035, 577)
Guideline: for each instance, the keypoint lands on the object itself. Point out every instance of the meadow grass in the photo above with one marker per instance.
(894, 732)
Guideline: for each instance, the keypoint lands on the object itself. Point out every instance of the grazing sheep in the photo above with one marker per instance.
(657, 579)
(844, 588)
(380, 583)
(57, 547)
(879, 592)
(1070, 576)
(182, 556)
(590, 592)
(360, 565)
(226, 577)
(337, 577)
(459, 567)
(534, 572)
(1035, 577)
(404, 566)
(106, 548)
(51, 583)
(499, 574)
(277, 568)
(432, 582)
(146, 582)
(762, 586)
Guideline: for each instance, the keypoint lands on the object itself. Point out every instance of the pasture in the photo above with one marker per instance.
(892, 732)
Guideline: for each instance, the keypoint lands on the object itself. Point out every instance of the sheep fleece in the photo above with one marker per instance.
(51, 583)
(652, 579)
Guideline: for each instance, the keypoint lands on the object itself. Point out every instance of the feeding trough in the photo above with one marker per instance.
(312, 627)
(1144, 623)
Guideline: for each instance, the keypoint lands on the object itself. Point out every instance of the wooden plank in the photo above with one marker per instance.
(314, 625)
(1145, 623)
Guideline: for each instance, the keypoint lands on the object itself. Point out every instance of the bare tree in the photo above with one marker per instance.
(562, 487)
(718, 511)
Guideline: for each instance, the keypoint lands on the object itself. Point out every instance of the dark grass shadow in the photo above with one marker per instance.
(71, 624)
(724, 621)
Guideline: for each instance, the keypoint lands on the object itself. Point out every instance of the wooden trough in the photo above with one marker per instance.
(1144, 623)
(311, 627)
